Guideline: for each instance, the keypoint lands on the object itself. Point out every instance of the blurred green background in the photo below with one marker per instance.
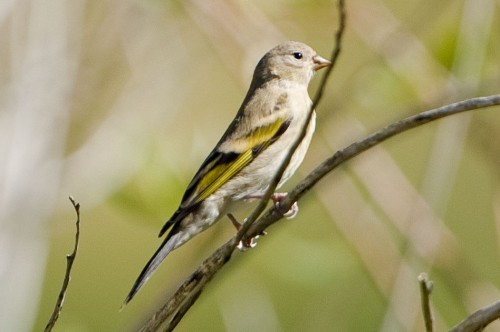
(118, 102)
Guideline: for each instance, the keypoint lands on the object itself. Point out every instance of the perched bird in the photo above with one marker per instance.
(245, 160)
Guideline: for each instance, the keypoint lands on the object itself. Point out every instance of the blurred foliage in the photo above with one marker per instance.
(146, 88)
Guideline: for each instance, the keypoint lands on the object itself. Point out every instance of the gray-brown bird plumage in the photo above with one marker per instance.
(244, 161)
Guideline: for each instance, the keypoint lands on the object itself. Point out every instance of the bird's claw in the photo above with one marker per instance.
(292, 213)
(280, 197)
(244, 245)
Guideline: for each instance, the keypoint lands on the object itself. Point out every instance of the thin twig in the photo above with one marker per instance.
(180, 302)
(425, 295)
(243, 232)
(67, 276)
(479, 319)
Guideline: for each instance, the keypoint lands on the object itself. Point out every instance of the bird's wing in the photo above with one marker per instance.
(221, 166)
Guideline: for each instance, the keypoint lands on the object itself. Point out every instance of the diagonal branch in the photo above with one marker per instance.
(479, 319)
(358, 147)
(243, 232)
(188, 292)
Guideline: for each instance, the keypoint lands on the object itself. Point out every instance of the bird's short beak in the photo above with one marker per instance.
(320, 62)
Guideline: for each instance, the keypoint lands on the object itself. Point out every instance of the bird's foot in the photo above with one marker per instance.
(277, 198)
(244, 245)
(247, 244)
(280, 197)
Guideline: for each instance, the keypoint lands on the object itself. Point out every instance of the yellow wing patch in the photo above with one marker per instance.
(254, 143)
(220, 174)
(262, 135)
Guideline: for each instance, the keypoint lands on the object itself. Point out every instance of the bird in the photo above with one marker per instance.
(245, 160)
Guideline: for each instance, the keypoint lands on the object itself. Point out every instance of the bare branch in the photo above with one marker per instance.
(474, 323)
(192, 287)
(67, 276)
(425, 294)
(243, 232)
(356, 148)
(188, 292)
(480, 319)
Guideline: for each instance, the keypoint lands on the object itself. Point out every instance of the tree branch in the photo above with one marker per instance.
(480, 319)
(176, 306)
(243, 231)
(67, 276)
(358, 147)
(425, 295)
(474, 323)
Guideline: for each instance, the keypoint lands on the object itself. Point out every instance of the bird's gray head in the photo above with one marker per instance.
(290, 60)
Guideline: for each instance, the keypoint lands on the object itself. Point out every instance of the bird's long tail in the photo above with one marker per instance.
(166, 247)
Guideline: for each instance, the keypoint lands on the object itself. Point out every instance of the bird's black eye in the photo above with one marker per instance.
(297, 55)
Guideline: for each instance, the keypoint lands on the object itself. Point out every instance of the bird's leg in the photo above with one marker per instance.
(244, 245)
(234, 221)
(277, 198)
